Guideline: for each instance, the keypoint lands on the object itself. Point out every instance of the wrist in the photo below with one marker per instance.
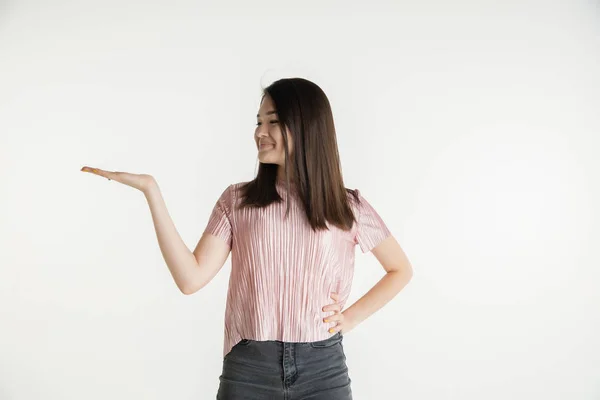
(349, 321)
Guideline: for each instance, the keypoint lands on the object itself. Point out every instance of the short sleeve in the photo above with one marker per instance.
(219, 222)
(371, 230)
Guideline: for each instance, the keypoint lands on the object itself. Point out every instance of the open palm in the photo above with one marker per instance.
(139, 181)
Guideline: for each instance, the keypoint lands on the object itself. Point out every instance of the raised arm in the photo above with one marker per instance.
(190, 271)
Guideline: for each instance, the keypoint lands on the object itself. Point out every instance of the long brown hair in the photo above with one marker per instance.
(303, 108)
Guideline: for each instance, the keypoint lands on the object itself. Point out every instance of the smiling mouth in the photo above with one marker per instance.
(265, 146)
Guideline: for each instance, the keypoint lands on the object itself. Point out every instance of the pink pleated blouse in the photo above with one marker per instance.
(283, 273)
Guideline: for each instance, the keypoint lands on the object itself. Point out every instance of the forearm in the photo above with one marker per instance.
(179, 259)
(378, 296)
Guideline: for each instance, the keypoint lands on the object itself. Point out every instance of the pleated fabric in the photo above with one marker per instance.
(283, 273)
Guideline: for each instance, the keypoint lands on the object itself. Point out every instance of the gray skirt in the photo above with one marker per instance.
(277, 370)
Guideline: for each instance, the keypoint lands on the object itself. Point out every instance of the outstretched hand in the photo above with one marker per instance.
(141, 182)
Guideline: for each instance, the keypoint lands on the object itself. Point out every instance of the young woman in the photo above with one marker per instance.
(292, 232)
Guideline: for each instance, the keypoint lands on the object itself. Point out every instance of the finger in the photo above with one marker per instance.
(337, 317)
(97, 171)
(336, 328)
(335, 296)
(332, 307)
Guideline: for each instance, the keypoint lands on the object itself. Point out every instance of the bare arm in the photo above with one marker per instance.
(399, 272)
(191, 271)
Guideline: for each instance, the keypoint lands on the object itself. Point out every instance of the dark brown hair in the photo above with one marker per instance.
(314, 168)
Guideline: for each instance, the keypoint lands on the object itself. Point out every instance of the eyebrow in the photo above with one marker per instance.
(268, 112)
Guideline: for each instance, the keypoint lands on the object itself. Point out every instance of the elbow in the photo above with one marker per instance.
(405, 274)
(409, 276)
(408, 272)
(192, 282)
(185, 290)
(188, 289)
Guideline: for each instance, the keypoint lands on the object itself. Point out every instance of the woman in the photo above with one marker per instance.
(292, 233)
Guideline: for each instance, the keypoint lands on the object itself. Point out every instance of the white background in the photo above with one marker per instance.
(472, 127)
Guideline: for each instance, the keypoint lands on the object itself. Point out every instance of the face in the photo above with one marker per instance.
(268, 136)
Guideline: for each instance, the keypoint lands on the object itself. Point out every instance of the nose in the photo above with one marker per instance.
(260, 133)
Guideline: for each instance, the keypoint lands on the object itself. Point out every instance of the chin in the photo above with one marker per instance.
(266, 160)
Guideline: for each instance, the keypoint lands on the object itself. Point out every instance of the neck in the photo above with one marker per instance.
(281, 175)
(280, 181)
